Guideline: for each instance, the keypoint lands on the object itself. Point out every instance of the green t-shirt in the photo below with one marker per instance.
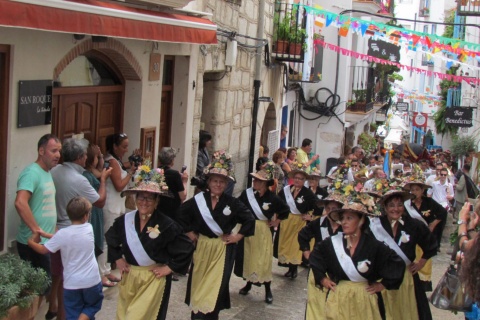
(42, 201)
(314, 163)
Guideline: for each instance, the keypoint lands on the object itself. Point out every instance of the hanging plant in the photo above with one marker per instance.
(463, 145)
(368, 142)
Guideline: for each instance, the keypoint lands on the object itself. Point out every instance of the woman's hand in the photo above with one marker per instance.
(307, 217)
(193, 236)
(306, 254)
(375, 287)
(329, 284)
(417, 266)
(161, 271)
(122, 265)
(472, 223)
(464, 212)
(232, 238)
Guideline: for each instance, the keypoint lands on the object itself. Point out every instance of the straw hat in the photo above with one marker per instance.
(297, 168)
(361, 203)
(315, 174)
(266, 174)
(333, 197)
(394, 193)
(149, 180)
(221, 165)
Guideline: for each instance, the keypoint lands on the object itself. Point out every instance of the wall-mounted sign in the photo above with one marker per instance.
(384, 50)
(460, 117)
(402, 106)
(420, 119)
(34, 103)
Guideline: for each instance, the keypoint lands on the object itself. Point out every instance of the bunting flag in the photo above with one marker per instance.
(368, 58)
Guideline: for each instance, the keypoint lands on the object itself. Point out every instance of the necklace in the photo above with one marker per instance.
(145, 216)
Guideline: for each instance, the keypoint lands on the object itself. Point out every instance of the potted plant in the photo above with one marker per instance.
(373, 127)
(368, 142)
(282, 33)
(21, 286)
(298, 42)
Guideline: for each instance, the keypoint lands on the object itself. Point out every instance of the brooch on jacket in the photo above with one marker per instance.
(404, 238)
(153, 232)
(426, 213)
(266, 206)
(300, 200)
(227, 211)
(362, 266)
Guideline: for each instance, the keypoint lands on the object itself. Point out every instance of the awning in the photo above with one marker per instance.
(92, 17)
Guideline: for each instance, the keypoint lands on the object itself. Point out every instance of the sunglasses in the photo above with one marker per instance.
(443, 175)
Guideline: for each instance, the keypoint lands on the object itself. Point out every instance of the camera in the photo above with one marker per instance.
(136, 159)
(106, 165)
(184, 167)
(199, 182)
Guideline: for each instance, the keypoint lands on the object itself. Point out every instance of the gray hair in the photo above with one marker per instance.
(166, 155)
(73, 149)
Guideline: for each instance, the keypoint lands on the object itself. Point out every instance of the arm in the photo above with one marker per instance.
(37, 247)
(183, 194)
(116, 176)
(24, 211)
(306, 235)
(102, 190)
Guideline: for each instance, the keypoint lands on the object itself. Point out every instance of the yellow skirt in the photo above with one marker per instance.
(140, 294)
(351, 301)
(315, 300)
(425, 273)
(208, 266)
(401, 304)
(257, 261)
(288, 247)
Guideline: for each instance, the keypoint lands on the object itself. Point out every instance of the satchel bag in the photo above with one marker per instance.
(450, 293)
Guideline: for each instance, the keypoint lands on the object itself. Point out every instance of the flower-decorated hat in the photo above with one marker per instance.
(361, 203)
(266, 174)
(315, 174)
(149, 180)
(221, 165)
(416, 178)
(336, 197)
(297, 168)
(394, 193)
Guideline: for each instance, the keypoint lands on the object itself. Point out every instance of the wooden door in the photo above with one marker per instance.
(165, 120)
(4, 90)
(94, 111)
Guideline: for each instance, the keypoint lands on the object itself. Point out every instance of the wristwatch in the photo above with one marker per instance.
(460, 221)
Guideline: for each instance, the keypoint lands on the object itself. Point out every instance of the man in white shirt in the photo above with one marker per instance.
(434, 176)
(442, 190)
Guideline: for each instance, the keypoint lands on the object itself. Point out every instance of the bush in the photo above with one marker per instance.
(20, 283)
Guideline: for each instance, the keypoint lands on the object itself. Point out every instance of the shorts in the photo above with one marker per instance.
(37, 260)
(87, 301)
(56, 264)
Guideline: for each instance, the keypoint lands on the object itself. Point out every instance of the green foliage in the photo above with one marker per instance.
(439, 117)
(19, 283)
(283, 27)
(368, 142)
(395, 76)
(450, 18)
(462, 145)
(360, 95)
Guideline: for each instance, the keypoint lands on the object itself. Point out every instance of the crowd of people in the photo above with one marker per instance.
(368, 234)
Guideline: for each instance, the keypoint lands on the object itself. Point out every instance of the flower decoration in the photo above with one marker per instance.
(221, 164)
(269, 168)
(362, 266)
(426, 213)
(348, 189)
(405, 237)
(227, 211)
(153, 232)
(149, 180)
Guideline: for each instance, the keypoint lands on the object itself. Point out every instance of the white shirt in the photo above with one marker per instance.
(80, 269)
(439, 192)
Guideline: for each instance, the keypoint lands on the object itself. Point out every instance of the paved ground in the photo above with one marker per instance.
(289, 297)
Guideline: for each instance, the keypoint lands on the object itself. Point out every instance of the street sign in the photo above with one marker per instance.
(383, 50)
(460, 117)
(34, 103)
(402, 106)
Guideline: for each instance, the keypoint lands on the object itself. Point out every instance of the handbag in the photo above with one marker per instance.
(449, 293)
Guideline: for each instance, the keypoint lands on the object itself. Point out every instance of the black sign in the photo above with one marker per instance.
(34, 103)
(402, 106)
(383, 50)
(460, 117)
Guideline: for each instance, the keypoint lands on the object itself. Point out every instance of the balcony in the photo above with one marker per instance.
(468, 7)
(374, 6)
(289, 33)
(424, 13)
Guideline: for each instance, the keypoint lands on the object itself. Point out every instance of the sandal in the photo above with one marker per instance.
(108, 284)
(112, 278)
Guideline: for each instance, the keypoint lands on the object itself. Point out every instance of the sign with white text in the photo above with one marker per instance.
(460, 117)
(34, 103)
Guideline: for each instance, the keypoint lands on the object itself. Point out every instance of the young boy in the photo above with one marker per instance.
(82, 284)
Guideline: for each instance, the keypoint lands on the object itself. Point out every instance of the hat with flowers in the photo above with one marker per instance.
(394, 193)
(358, 202)
(335, 197)
(221, 165)
(297, 168)
(416, 178)
(150, 180)
(265, 174)
(315, 174)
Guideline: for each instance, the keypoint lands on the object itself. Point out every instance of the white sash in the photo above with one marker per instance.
(324, 230)
(207, 215)
(290, 200)
(382, 235)
(138, 251)
(413, 213)
(345, 261)
(254, 204)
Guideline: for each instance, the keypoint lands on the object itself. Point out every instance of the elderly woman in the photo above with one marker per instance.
(354, 266)
(300, 200)
(402, 234)
(320, 192)
(209, 219)
(430, 213)
(147, 247)
(254, 254)
(319, 230)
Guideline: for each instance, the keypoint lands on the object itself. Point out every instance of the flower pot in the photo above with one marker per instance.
(281, 46)
(15, 313)
(464, 2)
(295, 49)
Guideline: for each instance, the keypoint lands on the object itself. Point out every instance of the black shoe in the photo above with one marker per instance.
(244, 291)
(50, 315)
(294, 273)
(268, 296)
(288, 274)
(174, 277)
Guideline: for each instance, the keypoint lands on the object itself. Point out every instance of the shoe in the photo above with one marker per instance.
(108, 284)
(244, 291)
(174, 278)
(288, 274)
(268, 296)
(294, 273)
(50, 315)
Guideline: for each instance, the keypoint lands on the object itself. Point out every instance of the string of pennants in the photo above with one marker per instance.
(369, 58)
(413, 95)
(459, 50)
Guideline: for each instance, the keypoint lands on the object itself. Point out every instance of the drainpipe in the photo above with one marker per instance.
(256, 86)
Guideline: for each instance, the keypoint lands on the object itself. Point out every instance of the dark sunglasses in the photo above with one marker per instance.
(443, 175)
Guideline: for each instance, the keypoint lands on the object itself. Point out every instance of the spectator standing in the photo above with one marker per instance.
(283, 136)
(435, 177)
(203, 159)
(464, 189)
(35, 204)
(70, 182)
(281, 169)
(442, 190)
(302, 154)
(83, 294)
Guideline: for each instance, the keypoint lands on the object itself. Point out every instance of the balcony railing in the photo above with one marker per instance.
(360, 107)
(289, 32)
(468, 7)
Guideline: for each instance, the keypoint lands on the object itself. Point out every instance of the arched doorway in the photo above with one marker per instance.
(270, 133)
(88, 94)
